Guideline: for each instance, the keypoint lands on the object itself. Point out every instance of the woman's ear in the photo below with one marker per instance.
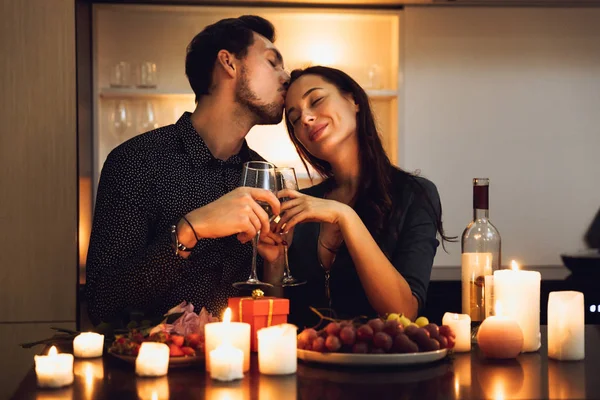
(227, 62)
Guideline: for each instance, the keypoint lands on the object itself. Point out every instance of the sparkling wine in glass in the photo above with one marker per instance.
(286, 179)
(257, 174)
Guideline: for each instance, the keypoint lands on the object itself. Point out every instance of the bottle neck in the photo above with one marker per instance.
(480, 213)
(481, 207)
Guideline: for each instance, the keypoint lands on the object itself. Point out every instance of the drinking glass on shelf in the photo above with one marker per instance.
(148, 119)
(258, 174)
(120, 75)
(286, 179)
(120, 118)
(147, 75)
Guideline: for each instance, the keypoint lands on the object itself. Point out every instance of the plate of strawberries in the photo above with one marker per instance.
(185, 337)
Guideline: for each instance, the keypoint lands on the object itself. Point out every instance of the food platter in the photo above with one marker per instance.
(349, 359)
(174, 362)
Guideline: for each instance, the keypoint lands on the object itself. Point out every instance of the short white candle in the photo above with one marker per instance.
(54, 370)
(566, 325)
(461, 326)
(236, 334)
(88, 345)
(277, 354)
(226, 363)
(152, 359)
(519, 293)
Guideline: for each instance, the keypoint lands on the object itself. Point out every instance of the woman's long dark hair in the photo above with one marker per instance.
(373, 201)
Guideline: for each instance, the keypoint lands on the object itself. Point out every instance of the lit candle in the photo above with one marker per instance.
(88, 345)
(461, 326)
(499, 336)
(236, 334)
(519, 293)
(566, 338)
(54, 370)
(152, 359)
(226, 363)
(277, 354)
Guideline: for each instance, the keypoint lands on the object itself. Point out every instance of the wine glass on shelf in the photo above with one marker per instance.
(286, 179)
(258, 174)
(120, 118)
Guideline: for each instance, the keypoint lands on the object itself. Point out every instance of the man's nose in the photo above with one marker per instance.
(285, 79)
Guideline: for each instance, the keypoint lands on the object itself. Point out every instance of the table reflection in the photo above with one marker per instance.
(462, 375)
(278, 387)
(89, 371)
(55, 394)
(566, 380)
(236, 390)
(500, 379)
(152, 388)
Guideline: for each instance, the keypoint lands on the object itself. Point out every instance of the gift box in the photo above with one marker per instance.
(260, 312)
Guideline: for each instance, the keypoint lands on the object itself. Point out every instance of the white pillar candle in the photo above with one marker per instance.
(566, 326)
(152, 360)
(54, 370)
(277, 346)
(461, 326)
(88, 345)
(519, 293)
(236, 334)
(226, 363)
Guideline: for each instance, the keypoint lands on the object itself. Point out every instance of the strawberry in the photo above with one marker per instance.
(193, 340)
(175, 351)
(137, 338)
(188, 351)
(177, 340)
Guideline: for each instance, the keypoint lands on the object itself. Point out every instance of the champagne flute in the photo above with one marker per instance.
(258, 174)
(286, 179)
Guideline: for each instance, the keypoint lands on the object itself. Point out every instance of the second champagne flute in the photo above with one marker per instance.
(258, 174)
(286, 179)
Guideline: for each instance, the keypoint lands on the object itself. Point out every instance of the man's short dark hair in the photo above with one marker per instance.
(232, 34)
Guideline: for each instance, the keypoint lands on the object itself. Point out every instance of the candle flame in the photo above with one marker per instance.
(514, 266)
(154, 395)
(52, 351)
(498, 309)
(227, 315)
(455, 317)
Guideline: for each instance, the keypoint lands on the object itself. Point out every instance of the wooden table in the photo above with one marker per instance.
(470, 376)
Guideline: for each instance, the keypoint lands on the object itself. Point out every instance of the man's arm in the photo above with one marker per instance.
(125, 266)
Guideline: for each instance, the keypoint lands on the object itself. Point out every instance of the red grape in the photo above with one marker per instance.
(451, 342)
(443, 342)
(333, 329)
(411, 330)
(377, 351)
(403, 344)
(364, 333)
(348, 335)
(319, 345)
(382, 341)
(430, 345)
(434, 331)
(391, 327)
(333, 343)
(376, 324)
(360, 348)
(445, 330)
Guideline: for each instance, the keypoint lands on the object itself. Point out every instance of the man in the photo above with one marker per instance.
(170, 223)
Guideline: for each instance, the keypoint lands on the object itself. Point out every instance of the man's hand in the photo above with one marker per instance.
(237, 212)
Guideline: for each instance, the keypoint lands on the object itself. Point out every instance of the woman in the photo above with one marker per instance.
(365, 237)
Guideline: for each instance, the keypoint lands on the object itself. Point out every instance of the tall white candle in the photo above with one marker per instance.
(277, 346)
(88, 345)
(461, 326)
(236, 334)
(226, 363)
(152, 360)
(566, 325)
(54, 370)
(519, 293)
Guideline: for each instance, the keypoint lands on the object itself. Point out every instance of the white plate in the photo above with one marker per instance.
(174, 362)
(372, 359)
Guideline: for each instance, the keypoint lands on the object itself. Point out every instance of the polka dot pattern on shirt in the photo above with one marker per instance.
(147, 184)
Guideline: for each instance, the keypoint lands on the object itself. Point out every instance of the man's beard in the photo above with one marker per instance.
(266, 114)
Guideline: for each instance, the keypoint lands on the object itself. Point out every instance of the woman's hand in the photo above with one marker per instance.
(303, 208)
(269, 247)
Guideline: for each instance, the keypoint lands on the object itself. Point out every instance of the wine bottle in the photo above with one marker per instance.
(481, 252)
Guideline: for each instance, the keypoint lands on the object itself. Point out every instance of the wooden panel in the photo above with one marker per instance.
(16, 361)
(38, 152)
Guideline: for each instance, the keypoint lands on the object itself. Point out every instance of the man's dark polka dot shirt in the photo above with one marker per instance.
(147, 184)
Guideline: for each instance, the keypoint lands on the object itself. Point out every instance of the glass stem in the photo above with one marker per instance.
(285, 261)
(253, 276)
